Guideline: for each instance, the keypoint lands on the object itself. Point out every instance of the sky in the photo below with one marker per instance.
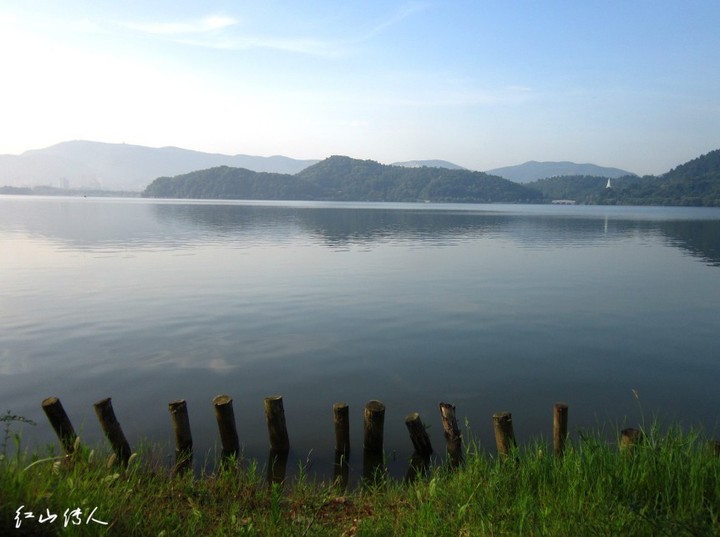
(633, 84)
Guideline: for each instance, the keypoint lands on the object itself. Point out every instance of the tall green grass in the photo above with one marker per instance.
(667, 485)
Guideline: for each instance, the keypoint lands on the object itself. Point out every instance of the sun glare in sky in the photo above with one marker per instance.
(634, 85)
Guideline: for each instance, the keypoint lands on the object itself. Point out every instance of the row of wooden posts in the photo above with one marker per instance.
(373, 423)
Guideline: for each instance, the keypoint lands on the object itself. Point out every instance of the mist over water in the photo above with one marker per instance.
(489, 307)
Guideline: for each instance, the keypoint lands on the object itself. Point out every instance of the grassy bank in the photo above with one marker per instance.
(668, 485)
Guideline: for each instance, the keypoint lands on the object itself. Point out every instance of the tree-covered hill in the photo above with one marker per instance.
(341, 178)
(695, 183)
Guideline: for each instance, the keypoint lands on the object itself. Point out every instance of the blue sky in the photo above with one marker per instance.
(631, 84)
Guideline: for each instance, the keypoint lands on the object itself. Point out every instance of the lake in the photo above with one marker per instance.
(488, 307)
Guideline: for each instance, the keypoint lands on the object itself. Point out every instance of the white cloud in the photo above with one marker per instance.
(207, 24)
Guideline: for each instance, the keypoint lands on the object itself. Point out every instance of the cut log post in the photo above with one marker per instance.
(504, 435)
(374, 423)
(60, 423)
(183, 436)
(418, 435)
(277, 429)
(341, 418)
(629, 438)
(560, 424)
(113, 431)
(451, 431)
(226, 424)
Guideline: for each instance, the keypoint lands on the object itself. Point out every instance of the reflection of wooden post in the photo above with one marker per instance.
(418, 435)
(112, 430)
(341, 470)
(504, 435)
(183, 437)
(560, 422)
(373, 470)
(226, 424)
(277, 466)
(277, 429)
(341, 418)
(60, 422)
(629, 438)
(374, 423)
(419, 466)
(453, 437)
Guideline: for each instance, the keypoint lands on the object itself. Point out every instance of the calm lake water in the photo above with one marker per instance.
(488, 307)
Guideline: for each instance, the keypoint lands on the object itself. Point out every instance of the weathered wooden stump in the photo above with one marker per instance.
(113, 431)
(560, 424)
(277, 429)
(451, 431)
(422, 448)
(226, 424)
(374, 424)
(60, 423)
(183, 436)
(418, 435)
(504, 435)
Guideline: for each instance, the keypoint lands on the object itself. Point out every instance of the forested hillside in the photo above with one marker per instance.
(695, 183)
(345, 179)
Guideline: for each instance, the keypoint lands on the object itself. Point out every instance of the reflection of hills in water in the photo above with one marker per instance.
(129, 224)
(699, 237)
(344, 226)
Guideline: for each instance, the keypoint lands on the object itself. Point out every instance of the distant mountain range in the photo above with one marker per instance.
(429, 164)
(95, 165)
(101, 166)
(533, 170)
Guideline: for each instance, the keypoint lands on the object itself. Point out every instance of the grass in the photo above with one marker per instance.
(667, 485)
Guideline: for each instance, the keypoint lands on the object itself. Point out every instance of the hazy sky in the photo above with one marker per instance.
(631, 83)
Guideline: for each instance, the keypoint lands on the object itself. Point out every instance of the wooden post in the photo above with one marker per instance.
(60, 422)
(277, 430)
(374, 423)
(629, 438)
(183, 437)
(113, 431)
(226, 424)
(504, 435)
(341, 418)
(453, 437)
(560, 422)
(418, 435)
